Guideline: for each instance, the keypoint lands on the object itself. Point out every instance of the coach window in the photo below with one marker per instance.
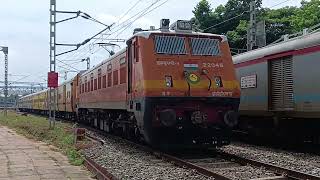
(95, 84)
(123, 70)
(104, 81)
(99, 78)
(86, 85)
(82, 88)
(91, 83)
(109, 68)
(115, 77)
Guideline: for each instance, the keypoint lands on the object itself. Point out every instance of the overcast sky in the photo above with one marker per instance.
(24, 28)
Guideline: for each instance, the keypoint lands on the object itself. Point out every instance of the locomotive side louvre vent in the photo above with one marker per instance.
(282, 97)
(170, 45)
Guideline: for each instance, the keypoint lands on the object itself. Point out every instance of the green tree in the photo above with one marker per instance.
(278, 22)
(306, 16)
(232, 19)
(238, 37)
(202, 13)
(234, 16)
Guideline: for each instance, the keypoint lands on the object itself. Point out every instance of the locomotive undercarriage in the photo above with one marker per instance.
(188, 122)
(118, 122)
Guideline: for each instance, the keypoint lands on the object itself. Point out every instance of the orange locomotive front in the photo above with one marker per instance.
(173, 87)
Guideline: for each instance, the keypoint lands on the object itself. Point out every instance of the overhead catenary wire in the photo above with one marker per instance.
(139, 14)
(119, 27)
(68, 65)
(142, 16)
(241, 15)
(114, 27)
(122, 16)
(225, 21)
(123, 23)
(279, 3)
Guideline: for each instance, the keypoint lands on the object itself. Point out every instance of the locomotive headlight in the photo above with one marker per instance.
(218, 81)
(168, 80)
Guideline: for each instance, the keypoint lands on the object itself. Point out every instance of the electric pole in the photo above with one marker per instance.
(52, 74)
(52, 98)
(88, 62)
(251, 42)
(5, 51)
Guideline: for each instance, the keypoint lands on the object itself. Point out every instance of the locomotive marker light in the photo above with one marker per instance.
(169, 81)
(217, 80)
(182, 25)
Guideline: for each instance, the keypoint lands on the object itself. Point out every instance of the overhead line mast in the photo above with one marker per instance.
(52, 72)
(53, 75)
(252, 36)
(5, 51)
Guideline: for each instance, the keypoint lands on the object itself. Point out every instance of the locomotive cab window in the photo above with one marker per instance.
(205, 47)
(170, 45)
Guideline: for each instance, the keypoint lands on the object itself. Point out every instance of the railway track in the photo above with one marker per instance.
(216, 164)
(219, 164)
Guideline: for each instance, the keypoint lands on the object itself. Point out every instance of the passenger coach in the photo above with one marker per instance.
(280, 87)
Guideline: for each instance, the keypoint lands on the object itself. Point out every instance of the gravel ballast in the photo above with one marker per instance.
(125, 161)
(303, 162)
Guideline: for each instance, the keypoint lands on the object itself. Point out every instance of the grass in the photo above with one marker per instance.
(37, 128)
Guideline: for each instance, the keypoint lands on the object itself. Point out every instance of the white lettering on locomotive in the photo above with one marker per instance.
(167, 63)
(212, 65)
(222, 94)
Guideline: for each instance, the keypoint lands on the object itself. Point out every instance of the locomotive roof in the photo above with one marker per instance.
(103, 62)
(300, 42)
(33, 94)
(146, 34)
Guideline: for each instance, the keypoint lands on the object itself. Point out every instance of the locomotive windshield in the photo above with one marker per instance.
(170, 45)
(177, 46)
(205, 46)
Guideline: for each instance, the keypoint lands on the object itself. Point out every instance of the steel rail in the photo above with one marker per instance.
(199, 169)
(100, 172)
(103, 174)
(174, 160)
(274, 168)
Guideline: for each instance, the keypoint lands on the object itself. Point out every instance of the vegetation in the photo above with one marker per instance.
(38, 128)
(232, 19)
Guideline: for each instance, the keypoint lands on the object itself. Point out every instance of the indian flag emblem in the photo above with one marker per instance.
(193, 78)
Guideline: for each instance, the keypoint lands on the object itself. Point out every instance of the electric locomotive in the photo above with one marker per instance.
(172, 86)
